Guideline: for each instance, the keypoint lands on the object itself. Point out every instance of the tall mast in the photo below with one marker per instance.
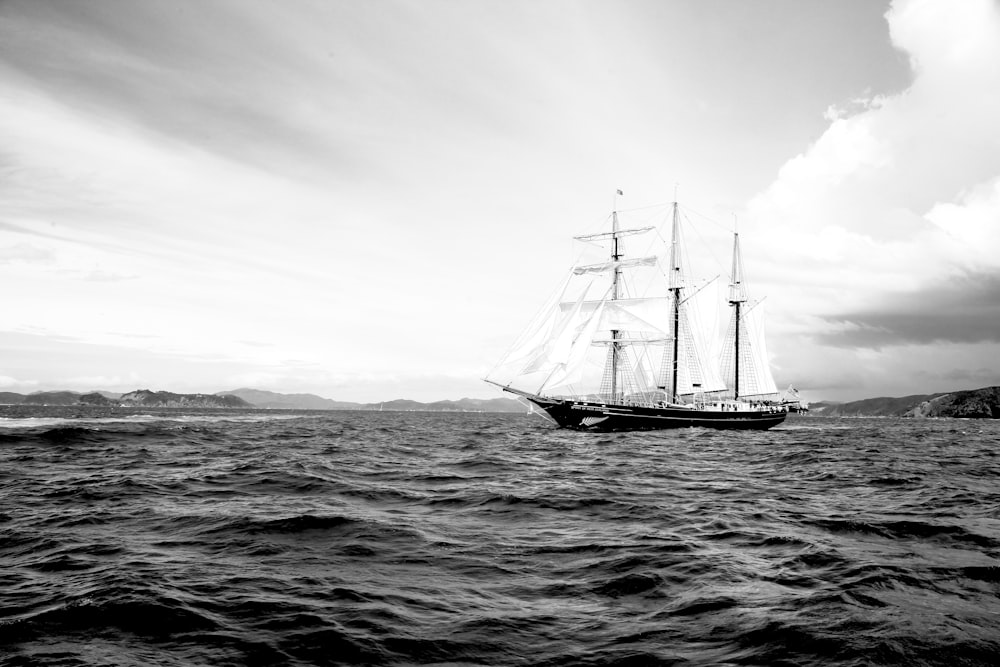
(615, 275)
(675, 288)
(613, 386)
(737, 296)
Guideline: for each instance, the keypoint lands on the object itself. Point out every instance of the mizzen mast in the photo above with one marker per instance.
(737, 297)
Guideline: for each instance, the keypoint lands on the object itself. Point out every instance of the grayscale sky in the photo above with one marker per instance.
(369, 200)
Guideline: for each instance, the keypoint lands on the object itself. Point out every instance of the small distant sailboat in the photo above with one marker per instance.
(792, 401)
(603, 357)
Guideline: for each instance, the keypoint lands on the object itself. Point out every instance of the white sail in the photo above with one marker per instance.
(755, 379)
(532, 340)
(764, 385)
(695, 372)
(570, 370)
(646, 315)
(745, 367)
(557, 348)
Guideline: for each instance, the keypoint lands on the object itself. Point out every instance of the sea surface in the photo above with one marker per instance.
(279, 538)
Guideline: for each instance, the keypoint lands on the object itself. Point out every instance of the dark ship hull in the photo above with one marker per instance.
(593, 416)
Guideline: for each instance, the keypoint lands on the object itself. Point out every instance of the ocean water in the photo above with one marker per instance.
(264, 538)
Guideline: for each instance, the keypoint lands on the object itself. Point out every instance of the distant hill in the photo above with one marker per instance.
(972, 403)
(10, 398)
(165, 399)
(275, 401)
(51, 398)
(461, 405)
(96, 398)
(144, 398)
(975, 403)
(48, 397)
(882, 406)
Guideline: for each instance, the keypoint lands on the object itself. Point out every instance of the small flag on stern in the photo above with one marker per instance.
(621, 193)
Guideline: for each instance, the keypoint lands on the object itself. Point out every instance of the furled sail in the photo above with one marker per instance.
(615, 234)
(617, 264)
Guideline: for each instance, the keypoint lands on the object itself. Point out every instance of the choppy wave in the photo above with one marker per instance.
(407, 538)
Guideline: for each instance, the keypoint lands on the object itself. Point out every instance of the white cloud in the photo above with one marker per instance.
(971, 226)
(13, 384)
(25, 253)
(900, 196)
(853, 107)
(94, 382)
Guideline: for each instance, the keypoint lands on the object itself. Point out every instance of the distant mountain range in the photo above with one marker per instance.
(973, 403)
(142, 398)
(249, 398)
(269, 399)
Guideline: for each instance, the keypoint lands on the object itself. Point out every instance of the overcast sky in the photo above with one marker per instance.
(369, 200)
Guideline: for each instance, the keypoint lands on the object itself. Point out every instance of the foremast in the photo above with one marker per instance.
(615, 349)
(617, 380)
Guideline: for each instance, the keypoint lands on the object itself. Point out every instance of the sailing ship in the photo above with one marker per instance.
(618, 347)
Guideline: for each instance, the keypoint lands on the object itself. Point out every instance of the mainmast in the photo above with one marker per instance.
(737, 296)
(675, 288)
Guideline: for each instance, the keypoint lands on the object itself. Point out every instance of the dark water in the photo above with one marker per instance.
(424, 539)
